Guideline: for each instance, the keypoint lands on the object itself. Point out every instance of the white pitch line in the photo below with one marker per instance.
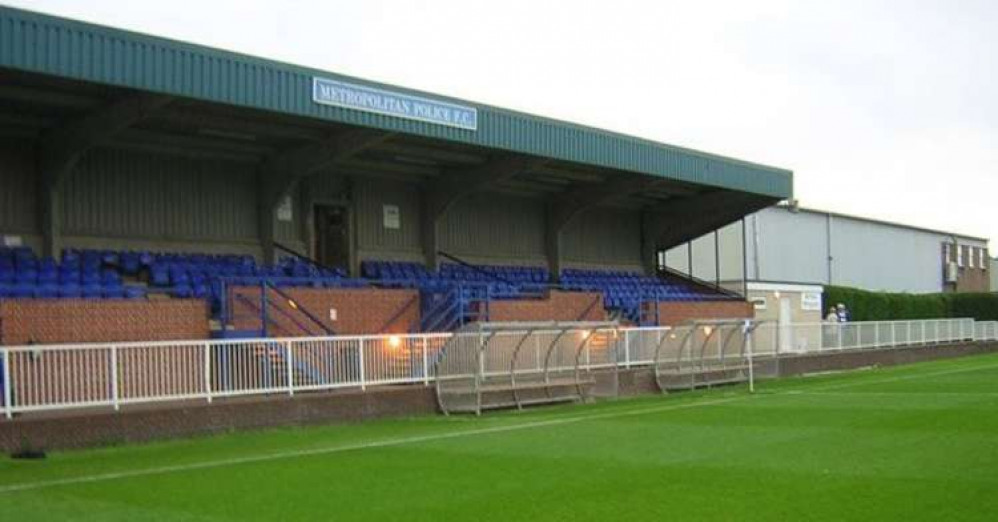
(27, 486)
(897, 378)
(899, 394)
(351, 447)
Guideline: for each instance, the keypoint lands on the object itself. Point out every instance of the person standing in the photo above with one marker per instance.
(832, 329)
(847, 335)
(842, 312)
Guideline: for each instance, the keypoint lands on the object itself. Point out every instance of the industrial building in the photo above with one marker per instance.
(784, 255)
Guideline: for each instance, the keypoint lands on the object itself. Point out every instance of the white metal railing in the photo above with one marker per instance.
(774, 338)
(52, 377)
(986, 331)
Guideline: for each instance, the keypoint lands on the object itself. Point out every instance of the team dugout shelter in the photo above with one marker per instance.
(148, 173)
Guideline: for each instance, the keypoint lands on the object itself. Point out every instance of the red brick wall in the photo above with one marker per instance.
(80, 321)
(558, 306)
(358, 310)
(674, 313)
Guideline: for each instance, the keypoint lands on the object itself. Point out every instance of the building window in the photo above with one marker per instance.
(970, 257)
(983, 257)
(947, 255)
(959, 256)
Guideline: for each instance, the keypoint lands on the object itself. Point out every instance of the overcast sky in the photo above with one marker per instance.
(881, 109)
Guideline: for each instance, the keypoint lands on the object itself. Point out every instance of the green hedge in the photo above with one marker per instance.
(885, 306)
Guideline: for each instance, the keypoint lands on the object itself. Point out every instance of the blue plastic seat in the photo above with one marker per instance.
(22, 290)
(110, 278)
(201, 291)
(130, 262)
(113, 292)
(134, 292)
(70, 291)
(90, 277)
(91, 291)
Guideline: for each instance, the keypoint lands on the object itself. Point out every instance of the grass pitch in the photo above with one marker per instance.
(918, 442)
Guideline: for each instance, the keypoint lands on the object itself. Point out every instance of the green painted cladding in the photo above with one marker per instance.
(18, 214)
(59, 47)
(374, 241)
(120, 193)
(499, 227)
(604, 237)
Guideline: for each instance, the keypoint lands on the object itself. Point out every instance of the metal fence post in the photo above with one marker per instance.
(749, 337)
(360, 360)
(114, 377)
(627, 350)
(8, 403)
(779, 339)
(207, 371)
(289, 359)
(426, 365)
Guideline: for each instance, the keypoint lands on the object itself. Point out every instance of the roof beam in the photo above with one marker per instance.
(281, 173)
(453, 185)
(565, 208)
(199, 120)
(62, 147)
(687, 219)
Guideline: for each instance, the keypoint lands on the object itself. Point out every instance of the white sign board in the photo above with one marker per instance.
(392, 218)
(810, 301)
(285, 210)
(393, 103)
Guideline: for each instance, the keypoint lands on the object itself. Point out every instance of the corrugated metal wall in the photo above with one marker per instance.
(495, 227)
(327, 185)
(18, 213)
(604, 236)
(793, 247)
(289, 233)
(729, 244)
(374, 241)
(123, 193)
(877, 257)
(803, 247)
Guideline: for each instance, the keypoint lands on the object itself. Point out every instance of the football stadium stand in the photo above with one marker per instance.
(256, 198)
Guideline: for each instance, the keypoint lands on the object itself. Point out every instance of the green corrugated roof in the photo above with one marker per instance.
(67, 48)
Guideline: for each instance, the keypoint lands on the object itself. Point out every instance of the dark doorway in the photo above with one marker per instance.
(332, 235)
